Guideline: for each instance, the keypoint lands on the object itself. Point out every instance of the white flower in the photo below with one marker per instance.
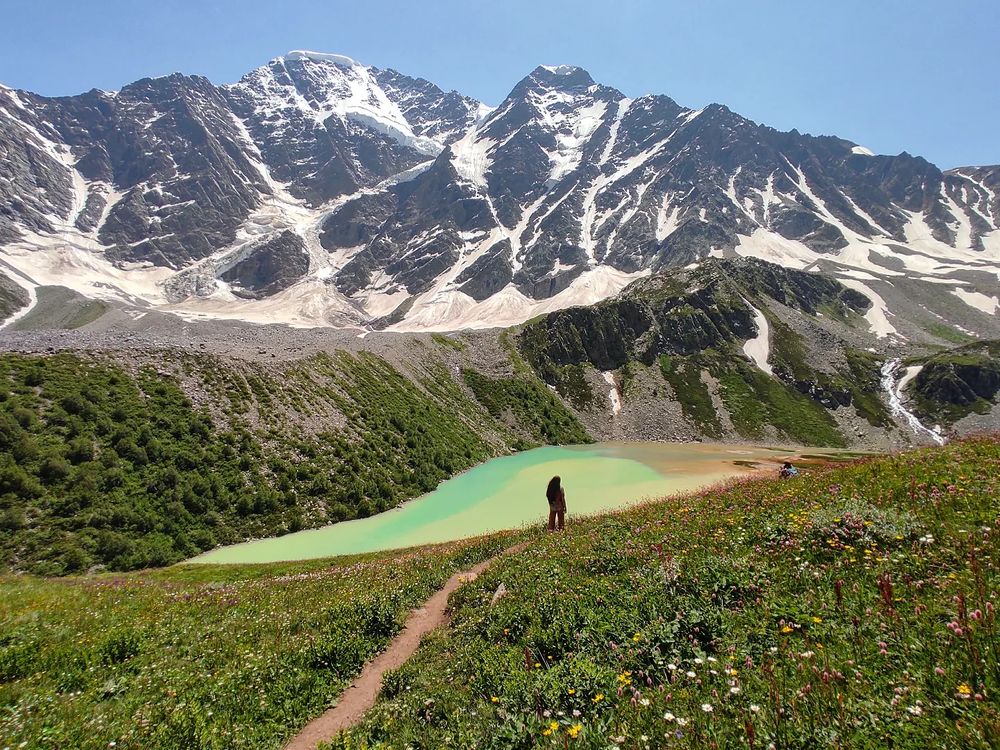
(712, 660)
(754, 708)
(689, 673)
(681, 722)
(707, 708)
(915, 710)
(734, 690)
(672, 667)
(668, 716)
(699, 660)
(807, 654)
(644, 702)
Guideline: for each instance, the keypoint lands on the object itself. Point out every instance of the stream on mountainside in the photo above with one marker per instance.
(509, 492)
(894, 390)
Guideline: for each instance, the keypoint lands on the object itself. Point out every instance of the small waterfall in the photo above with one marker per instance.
(895, 392)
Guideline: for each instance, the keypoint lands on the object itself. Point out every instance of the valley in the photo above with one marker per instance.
(286, 361)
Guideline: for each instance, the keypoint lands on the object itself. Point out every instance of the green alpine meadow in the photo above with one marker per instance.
(443, 382)
(853, 606)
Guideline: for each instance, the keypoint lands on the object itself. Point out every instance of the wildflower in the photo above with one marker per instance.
(635, 639)
(625, 678)
(571, 691)
(668, 716)
(817, 620)
(734, 690)
(494, 699)
(547, 731)
(598, 698)
(964, 690)
(786, 629)
(574, 730)
(644, 702)
(672, 667)
(754, 708)
(938, 671)
(915, 710)
(689, 673)
(554, 725)
(707, 708)
(681, 722)
(699, 660)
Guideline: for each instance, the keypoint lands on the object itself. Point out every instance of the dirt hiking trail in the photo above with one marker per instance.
(361, 694)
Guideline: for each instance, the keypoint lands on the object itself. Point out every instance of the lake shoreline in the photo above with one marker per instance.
(499, 495)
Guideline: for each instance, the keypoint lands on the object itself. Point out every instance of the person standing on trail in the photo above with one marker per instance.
(556, 496)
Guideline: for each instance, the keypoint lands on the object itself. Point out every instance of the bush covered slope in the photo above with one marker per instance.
(132, 466)
(851, 608)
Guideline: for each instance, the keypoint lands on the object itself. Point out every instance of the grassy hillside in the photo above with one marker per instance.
(851, 608)
(125, 467)
(200, 657)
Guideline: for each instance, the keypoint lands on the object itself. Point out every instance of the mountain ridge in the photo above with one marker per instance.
(375, 198)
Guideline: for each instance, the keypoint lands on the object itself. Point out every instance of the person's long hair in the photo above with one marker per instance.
(552, 491)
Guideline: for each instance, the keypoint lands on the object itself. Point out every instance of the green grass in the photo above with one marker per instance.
(754, 400)
(946, 332)
(691, 392)
(200, 657)
(850, 608)
(527, 405)
(448, 342)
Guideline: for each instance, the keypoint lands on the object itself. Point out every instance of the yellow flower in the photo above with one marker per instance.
(571, 691)
(537, 664)
(636, 637)
(786, 629)
(494, 699)
(964, 689)
(546, 732)
(817, 619)
(598, 698)
(574, 730)
(554, 725)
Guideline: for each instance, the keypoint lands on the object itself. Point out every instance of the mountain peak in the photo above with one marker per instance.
(561, 76)
(325, 57)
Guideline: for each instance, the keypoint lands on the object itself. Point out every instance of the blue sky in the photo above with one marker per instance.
(893, 75)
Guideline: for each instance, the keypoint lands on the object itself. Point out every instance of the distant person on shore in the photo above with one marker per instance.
(556, 496)
(788, 471)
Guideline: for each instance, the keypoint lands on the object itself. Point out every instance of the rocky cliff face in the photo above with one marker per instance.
(427, 210)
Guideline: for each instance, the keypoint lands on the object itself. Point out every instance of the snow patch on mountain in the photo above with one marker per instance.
(758, 348)
(977, 300)
(327, 57)
(878, 314)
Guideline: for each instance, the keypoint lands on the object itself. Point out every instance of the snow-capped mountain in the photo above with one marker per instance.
(317, 190)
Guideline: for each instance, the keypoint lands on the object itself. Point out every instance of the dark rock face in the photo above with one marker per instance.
(12, 296)
(680, 313)
(271, 267)
(411, 187)
(953, 383)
